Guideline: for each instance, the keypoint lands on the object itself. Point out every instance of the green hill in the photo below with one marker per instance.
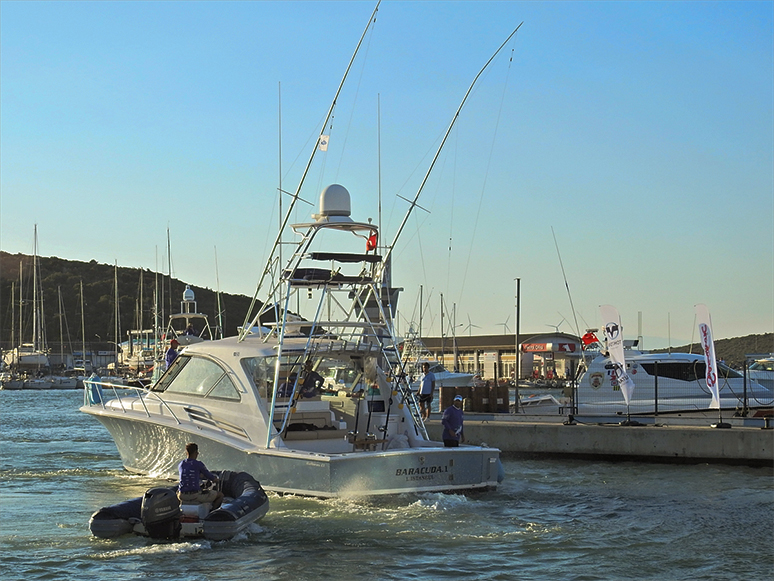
(136, 289)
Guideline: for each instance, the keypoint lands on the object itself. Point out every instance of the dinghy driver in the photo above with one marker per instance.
(191, 472)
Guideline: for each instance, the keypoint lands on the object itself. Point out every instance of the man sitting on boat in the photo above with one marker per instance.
(313, 381)
(192, 471)
(286, 388)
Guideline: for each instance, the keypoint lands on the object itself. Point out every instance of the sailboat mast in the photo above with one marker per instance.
(169, 268)
(443, 345)
(35, 291)
(61, 334)
(116, 325)
(217, 283)
(13, 314)
(83, 333)
(420, 311)
(21, 304)
(379, 161)
(279, 163)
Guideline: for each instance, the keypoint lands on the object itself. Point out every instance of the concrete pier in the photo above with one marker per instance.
(659, 439)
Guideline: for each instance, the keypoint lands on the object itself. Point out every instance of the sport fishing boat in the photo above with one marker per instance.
(665, 382)
(158, 513)
(247, 400)
(263, 402)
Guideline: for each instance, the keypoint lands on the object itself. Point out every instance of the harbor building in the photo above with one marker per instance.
(544, 356)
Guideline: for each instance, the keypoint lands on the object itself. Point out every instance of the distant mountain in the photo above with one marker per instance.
(135, 301)
(734, 350)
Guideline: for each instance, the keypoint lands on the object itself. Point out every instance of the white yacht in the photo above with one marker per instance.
(665, 382)
(247, 400)
(762, 371)
(416, 354)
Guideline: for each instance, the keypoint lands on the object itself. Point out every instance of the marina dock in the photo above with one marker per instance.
(749, 441)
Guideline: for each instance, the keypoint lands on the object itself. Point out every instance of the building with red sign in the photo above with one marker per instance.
(543, 355)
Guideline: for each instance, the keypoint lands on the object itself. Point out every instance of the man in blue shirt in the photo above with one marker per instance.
(189, 491)
(452, 424)
(171, 354)
(426, 389)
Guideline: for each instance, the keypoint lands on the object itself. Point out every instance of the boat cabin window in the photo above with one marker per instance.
(337, 374)
(198, 376)
(686, 370)
(261, 371)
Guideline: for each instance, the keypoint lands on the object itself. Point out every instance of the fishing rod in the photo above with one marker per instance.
(246, 327)
(413, 202)
(566, 284)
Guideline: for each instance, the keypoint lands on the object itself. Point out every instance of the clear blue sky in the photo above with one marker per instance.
(642, 132)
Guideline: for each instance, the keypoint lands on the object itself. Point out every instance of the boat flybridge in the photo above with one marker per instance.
(318, 406)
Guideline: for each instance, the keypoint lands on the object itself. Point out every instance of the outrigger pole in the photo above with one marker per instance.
(438, 152)
(246, 327)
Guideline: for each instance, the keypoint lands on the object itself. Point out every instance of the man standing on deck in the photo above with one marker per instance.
(452, 424)
(426, 389)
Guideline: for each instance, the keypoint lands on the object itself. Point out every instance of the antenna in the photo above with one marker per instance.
(566, 285)
(440, 147)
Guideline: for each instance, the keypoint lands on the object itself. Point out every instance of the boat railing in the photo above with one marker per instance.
(93, 395)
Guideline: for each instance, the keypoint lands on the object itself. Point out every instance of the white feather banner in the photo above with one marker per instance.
(614, 334)
(708, 347)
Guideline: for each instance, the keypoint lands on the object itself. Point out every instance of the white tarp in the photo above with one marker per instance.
(708, 347)
(614, 334)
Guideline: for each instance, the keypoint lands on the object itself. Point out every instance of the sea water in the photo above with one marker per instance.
(550, 519)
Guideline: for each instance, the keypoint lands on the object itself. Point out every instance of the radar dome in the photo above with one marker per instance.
(188, 294)
(334, 201)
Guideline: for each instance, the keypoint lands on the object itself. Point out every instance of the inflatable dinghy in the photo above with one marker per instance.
(158, 513)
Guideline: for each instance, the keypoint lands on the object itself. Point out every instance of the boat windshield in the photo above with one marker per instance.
(437, 368)
(198, 376)
(763, 365)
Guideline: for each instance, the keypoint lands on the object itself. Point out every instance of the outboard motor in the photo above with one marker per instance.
(160, 513)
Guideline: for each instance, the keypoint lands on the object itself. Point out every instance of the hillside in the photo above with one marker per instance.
(135, 301)
(734, 350)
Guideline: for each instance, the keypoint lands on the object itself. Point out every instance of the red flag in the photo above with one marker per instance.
(371, 242)
(589, 338)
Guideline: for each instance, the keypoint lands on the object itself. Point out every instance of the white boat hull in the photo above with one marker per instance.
(153, 447)
(51, 382)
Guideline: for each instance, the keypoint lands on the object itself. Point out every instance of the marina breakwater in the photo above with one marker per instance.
(749, 441)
